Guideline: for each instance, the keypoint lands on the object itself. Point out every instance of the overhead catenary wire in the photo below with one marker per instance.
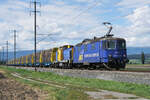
(47, 35)
(110, 20)
(82, 12)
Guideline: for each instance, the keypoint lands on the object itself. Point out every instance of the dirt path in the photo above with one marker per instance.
(110, 95)
(37, 81)
(12, 90)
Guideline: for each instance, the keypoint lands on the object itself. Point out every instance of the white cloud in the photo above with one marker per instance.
(137, 31)
(89, 1)
(133, 3)
(140, 20)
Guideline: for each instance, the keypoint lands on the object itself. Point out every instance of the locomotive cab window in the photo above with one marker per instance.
(111, 44)
(121, 45)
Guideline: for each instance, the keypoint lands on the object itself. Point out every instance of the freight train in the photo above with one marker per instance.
(105, 52)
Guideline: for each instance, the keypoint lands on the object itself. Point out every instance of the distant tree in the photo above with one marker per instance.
(142, 57)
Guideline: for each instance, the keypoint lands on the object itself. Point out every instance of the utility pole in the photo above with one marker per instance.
(7, 53)
(35, 30)
(14, 46)
(3, 56)
(0, 58)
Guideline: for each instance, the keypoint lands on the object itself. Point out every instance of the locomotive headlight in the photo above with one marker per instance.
(124, 55)
(110, 56)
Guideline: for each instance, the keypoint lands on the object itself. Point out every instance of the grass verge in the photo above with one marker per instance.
(138, 69)
(138, 65)
(74, 93)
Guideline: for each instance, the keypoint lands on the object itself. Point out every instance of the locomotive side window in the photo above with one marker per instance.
(100, 45)
(79, 48)
(104, 44)
(93, 47)
(85, 48)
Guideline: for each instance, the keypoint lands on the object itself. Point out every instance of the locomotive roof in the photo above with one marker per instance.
(86, 41)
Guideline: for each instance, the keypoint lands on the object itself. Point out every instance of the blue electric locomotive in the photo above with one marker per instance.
(107, 51)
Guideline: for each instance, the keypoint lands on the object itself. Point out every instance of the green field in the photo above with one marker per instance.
(75, 87)
(138, 67)
(138, 61)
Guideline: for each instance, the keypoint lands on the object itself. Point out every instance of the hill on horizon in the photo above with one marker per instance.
(130, 51)
(138, 50)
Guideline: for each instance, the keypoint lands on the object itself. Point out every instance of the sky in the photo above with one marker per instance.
(71, 21)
